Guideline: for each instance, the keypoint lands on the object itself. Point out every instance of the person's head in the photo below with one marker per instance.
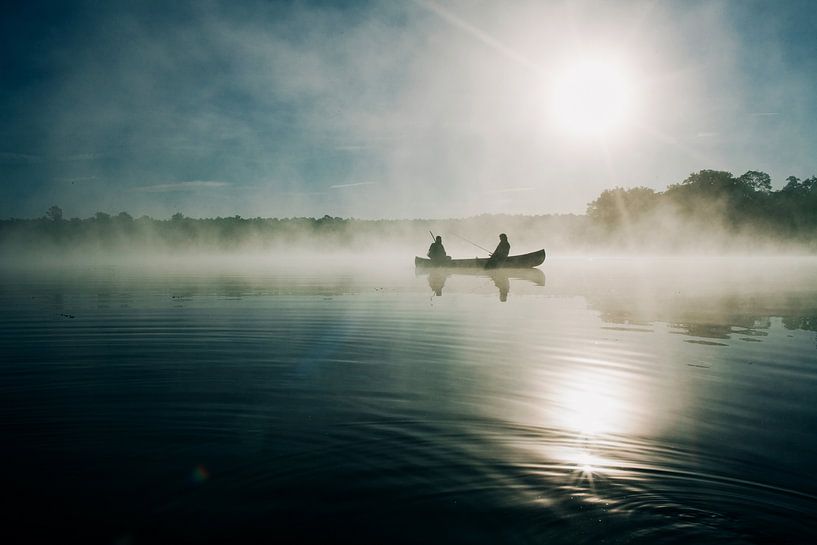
(503, 236)
(439, 239)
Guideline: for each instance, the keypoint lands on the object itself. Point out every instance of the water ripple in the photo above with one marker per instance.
(363, 409)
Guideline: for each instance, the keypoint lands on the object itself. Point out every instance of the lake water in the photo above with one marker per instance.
(601, 401)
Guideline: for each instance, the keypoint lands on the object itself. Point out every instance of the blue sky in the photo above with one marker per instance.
(388, 109)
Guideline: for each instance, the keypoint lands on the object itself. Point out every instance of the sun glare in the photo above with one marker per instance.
(592, 97)
(595, 404)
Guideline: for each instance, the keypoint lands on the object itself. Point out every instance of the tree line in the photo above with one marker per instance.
(711, 204)
(709, 208)
(180, 233)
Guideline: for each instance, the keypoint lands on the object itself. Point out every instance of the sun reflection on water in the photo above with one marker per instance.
(596, 403)
(602, 410)
(586, 463)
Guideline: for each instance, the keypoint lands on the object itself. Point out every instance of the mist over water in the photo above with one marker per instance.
(620, 400)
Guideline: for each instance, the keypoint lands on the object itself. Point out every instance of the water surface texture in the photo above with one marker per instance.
(594, 401)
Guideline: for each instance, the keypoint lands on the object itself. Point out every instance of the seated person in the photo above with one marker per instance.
(436, 252)
(500, 254)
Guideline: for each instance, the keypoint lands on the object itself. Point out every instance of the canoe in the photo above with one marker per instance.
(524, 261)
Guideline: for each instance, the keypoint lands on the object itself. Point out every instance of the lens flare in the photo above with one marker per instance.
(200, 474)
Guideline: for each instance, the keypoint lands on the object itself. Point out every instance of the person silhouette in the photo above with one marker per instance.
(500, 254)
(436, 252)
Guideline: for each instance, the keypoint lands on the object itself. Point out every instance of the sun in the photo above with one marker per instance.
(592, 97)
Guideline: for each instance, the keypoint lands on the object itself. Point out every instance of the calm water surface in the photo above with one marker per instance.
(599, 401)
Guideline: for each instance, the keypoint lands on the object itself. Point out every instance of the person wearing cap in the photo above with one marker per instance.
(500, 254)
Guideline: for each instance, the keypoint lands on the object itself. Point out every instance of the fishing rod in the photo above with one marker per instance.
(432, 236)
(474, 243)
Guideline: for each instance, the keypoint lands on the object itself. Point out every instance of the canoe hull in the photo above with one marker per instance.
(523, 261)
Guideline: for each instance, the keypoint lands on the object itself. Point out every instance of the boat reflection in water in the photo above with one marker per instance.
(436, 281)
(500, 277)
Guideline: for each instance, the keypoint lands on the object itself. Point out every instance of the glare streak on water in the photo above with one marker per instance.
(192, 407)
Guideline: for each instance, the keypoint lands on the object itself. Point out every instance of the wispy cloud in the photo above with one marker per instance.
(76, 179)
(341, 186)
(82, 157)
(305, 193)
(764, 114)
(193, 185)
(10, 158)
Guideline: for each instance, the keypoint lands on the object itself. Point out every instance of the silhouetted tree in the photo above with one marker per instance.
(757, 181)
(705, 183)
(615, 207)
(54, 213)
(708, 200)
(793, 185)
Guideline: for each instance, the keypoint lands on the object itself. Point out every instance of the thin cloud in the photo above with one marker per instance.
(341, 186)
(193, 185)
(76, 179)
(305, 193)
(10, 158)
(82, 157)
(765, 114)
